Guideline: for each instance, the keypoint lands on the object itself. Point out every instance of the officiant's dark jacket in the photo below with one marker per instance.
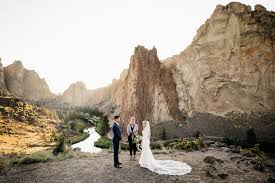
(117, 133)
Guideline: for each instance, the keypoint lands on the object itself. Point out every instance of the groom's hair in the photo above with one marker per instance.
(116, 117)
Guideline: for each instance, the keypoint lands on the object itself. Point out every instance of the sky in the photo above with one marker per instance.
(92, 40)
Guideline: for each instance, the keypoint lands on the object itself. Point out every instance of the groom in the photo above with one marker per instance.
(116, 138)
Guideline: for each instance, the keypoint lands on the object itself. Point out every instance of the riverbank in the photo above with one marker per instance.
(99, 168)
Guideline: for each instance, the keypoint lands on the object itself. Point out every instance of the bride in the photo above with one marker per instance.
(147, 160)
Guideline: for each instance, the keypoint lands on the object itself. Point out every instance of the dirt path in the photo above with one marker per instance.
(99, 168)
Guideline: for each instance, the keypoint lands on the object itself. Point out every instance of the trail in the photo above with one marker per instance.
(98, 168)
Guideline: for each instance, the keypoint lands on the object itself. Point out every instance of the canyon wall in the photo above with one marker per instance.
(2, 78)
(25, 84)
(221, 85)
(226, 77)
(77, 94)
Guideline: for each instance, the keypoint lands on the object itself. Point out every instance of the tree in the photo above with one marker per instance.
(102, 126)
(163, 134)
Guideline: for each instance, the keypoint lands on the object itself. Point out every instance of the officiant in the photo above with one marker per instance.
(132, 131)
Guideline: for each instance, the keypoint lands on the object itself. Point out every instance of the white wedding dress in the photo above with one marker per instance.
(165, 167)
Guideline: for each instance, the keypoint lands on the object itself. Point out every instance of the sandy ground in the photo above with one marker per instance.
(99, 168)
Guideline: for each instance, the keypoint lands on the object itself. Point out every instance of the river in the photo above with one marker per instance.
(87, 145)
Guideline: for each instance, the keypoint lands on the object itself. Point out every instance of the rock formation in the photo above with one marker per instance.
(228, 67)
(149, 91)
(77, 94)
(25, 84)
(221, 85)
(2, 77)
(228, 71)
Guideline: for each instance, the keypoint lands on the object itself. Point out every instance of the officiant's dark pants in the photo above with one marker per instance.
(132, 145)
(116, 147)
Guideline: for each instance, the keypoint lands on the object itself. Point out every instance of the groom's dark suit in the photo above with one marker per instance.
(116, 139)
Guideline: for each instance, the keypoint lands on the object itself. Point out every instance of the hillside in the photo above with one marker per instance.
(23, 127)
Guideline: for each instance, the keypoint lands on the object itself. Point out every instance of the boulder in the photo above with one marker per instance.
(212, 160)
(223, 175)
(226, 149)
(210, 170)
(77, 149)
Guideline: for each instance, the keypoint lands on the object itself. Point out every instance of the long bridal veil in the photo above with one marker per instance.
(147, 160)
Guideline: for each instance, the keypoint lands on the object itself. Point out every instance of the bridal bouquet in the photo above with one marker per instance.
(138, 140)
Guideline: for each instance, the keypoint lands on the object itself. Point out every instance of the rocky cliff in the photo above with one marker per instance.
(228, 71)
(229, 65)
(25, 84)
(221, 85)
(148, 90)
(77, 94)
(2, 78)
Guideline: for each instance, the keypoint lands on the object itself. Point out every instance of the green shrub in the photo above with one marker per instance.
(254, 152)
(78, 126)
(77, 138)
(155, 145)
(104, 143)
(167, 143)
(2, 164)
(186, 144)
(35, 158)
(62, 146)
(102, 126)
(73, 115)
(124, 146)
(163, 134)
(233, 141)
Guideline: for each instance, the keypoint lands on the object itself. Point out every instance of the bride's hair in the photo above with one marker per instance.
(132, 119)
(145, 123)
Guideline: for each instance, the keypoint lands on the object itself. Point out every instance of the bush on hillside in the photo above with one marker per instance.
(78, 126)
(104, 143)
(163, 134)
(102, 126)
(62, 146)
(30, 159)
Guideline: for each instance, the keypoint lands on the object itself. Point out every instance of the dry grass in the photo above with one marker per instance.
(99, 168)
(23, 137)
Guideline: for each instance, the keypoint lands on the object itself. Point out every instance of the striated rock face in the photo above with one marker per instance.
(2, 77)
(221, 85)
(230, 64)
(77, 94)
(25, 84)
(229, 71)
(109, 99)
(149, 91)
